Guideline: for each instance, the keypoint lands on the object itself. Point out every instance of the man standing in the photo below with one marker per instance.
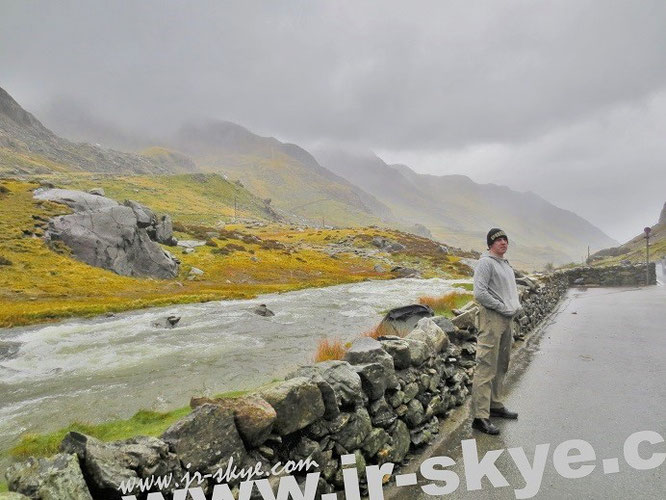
(497, 294)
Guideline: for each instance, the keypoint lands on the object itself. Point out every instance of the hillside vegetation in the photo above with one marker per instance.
(40, 283)
(634, 250)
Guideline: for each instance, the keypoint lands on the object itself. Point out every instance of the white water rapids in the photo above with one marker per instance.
(108, 368)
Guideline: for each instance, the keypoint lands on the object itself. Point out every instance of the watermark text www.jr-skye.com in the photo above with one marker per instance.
(571, 459)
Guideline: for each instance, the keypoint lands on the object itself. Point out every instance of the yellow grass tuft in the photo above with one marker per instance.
(380, 330)
(328, 350)
(445, 304)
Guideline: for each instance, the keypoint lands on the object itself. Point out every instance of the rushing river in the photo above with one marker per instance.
(108, 368)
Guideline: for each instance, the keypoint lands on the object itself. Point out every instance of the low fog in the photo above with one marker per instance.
(566, 99)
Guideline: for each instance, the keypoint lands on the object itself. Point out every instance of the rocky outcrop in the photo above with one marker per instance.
(76, 200)
(662, 215)
(104, 234)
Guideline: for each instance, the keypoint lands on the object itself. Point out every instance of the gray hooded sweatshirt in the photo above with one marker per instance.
(495, 285)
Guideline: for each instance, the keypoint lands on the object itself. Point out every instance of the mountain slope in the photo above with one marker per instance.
(634, 249)
(460, 211)
(28, 147)
(285, 173)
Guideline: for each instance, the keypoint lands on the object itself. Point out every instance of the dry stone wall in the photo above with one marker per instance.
(381, 403)
(626, 275)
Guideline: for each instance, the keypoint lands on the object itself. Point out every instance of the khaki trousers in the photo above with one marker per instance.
(493, 350)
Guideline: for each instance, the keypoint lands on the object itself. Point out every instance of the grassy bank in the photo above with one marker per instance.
(41, 283)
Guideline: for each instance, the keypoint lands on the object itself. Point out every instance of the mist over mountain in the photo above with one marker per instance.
(28, 147)
(457, 210)
(283, 172)
(342, 188)
(68, 117)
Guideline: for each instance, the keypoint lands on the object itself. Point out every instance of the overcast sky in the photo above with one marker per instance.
(563, 98)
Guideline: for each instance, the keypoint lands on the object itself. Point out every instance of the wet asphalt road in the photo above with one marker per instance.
(597, 373)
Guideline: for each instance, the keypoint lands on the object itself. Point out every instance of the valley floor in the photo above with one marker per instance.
(41, 283)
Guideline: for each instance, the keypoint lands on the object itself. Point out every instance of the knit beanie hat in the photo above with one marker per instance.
(493, 234)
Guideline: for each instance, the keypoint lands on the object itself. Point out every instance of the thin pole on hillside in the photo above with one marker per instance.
(647, 255)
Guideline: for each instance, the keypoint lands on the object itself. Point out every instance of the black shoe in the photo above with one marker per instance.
(485, 425)
(503, 413)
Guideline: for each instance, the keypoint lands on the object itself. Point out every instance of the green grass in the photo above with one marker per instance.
(467, 286)
(143, 423)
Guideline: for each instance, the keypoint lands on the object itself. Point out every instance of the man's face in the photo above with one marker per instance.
(500, 246)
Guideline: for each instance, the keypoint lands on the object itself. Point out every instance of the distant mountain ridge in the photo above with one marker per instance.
(332, 187)
(23, 134)
(459, 211)
(284, 172)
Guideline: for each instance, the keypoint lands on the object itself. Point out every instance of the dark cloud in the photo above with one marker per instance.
(443, 78)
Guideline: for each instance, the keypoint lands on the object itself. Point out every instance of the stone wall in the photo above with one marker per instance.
(383, 402)
(626, 275)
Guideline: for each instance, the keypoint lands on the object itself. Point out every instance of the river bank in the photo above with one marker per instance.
(109, 368)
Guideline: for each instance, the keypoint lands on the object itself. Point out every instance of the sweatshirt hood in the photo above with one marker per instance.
(488, 255)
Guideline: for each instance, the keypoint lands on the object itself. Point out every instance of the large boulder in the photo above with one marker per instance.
(344, 380)
(106, 465)
(76, 200)
(253, 415)
(52, 478)
(402, 320)
(164, 230)
(112, 239)
(373, 379)
(297, 402)
(331, 403)
(399, 350)
(419, 351)
(207, 438)
(427, 331)
(368, 350)
(352, 435)
(145, 217)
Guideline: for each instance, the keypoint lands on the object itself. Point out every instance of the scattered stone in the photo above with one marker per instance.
(354, 433)
(262, 310)
(373, 379)
(405, 272)
(168, 322)
(419, 351)
(190, 243)
(466, 320)
(328, 395)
